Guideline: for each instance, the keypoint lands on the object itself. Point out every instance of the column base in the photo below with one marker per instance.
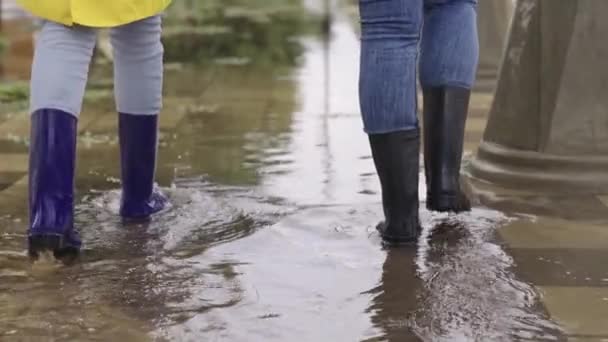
(534, 171)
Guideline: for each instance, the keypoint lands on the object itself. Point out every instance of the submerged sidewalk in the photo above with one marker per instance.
(274, 194)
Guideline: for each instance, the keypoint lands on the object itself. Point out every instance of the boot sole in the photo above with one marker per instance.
(447, 203)
(54, 244)
(136, 220)
(144, 218)
(396, 241)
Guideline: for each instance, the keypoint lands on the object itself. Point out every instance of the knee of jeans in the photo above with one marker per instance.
(65, 96)
(430, 4)
(389, 28)
(138, 41)
(451, 71)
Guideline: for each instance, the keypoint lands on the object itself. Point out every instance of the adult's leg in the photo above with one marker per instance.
(387, 91)
(448, 64)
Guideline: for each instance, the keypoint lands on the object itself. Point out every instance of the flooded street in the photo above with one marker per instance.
(270, 235)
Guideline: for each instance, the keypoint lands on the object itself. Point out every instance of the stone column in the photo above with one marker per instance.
(548, 126)
(494, 18)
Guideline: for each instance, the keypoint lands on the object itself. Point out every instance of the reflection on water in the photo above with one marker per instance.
(470, 291)
(270, 235)
(458, 286)
(241, 32)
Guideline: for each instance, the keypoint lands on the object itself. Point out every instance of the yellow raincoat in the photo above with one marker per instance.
(94, 13)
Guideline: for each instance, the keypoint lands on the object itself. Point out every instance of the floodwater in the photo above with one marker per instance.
(270, 234)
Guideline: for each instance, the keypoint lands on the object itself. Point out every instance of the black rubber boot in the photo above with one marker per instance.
(397, 159)
(445, 114)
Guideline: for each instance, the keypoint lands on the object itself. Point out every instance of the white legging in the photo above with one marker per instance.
(63, 55)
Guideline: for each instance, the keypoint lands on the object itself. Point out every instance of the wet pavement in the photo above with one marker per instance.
(270, 235)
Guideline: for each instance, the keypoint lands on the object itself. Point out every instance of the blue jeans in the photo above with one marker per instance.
(394, 33)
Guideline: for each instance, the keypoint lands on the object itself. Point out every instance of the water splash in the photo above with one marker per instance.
(470, 291)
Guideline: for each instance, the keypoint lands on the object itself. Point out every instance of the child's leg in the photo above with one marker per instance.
(60, 68)
(138, 76)
(59, 75)
(138, 67)
(447, 72)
